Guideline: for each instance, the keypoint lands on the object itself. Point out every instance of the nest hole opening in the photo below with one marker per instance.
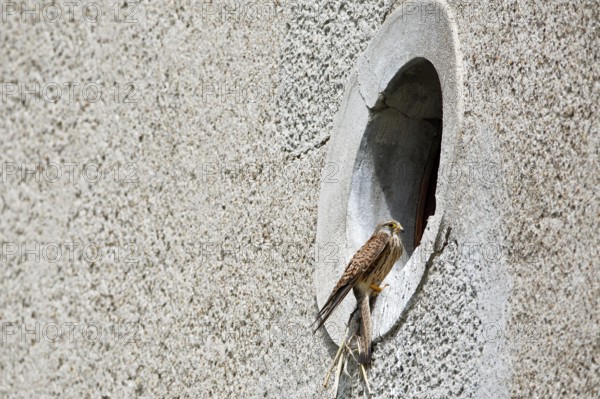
(396, 169)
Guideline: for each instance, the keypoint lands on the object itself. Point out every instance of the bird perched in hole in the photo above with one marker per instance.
(366, 270)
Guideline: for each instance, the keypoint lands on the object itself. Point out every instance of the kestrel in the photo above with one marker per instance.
(366, 270)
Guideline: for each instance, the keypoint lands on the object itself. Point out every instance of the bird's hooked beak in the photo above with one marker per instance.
(400, 228)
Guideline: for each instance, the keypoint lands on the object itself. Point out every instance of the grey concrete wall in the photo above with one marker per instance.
(181, 186)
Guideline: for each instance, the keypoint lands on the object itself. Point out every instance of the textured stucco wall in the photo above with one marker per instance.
(221, 146)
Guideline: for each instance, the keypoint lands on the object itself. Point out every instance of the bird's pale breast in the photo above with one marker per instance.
(383, 265)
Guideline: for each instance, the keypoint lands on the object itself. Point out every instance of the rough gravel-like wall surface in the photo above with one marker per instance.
(159, 210)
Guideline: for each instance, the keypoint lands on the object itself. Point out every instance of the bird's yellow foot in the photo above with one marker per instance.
(377, 288)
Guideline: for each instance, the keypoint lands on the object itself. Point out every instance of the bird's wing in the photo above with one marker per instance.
(360, 262)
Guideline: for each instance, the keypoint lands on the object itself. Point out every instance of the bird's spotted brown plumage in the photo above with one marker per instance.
(366, 270)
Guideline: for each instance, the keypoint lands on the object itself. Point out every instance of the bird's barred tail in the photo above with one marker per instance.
(365, 330)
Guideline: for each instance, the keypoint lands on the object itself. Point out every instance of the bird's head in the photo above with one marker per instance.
(391, 227)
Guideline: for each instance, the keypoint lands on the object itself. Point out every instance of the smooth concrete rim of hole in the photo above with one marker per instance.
(407, 34)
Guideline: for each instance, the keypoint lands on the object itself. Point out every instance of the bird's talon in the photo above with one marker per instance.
(377, 288)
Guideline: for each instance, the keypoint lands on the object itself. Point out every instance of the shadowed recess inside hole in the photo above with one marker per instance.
(395, 173)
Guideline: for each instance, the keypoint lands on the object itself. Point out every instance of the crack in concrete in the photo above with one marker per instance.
(306, 150)
(360, 89)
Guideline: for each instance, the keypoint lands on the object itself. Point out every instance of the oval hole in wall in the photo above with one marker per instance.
(395, 172)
